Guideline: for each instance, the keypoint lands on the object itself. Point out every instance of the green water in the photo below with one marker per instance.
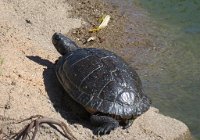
(174, 84)
(170, 73)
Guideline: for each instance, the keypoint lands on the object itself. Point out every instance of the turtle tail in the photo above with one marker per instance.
(143, 105)
(63, 44)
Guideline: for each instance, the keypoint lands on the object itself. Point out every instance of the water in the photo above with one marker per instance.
(172, 76)
(176, 88)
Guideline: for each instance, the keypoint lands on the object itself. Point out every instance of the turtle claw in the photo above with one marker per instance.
(98, 131)
(106, 129)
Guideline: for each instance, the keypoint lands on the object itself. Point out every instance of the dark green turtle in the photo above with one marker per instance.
(102, 83)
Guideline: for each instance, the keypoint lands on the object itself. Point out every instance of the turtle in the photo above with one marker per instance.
(101, 82)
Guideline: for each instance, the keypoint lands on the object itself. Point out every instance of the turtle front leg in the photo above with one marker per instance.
(104, 124)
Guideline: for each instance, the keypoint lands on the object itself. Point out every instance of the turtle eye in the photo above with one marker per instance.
(57, 38)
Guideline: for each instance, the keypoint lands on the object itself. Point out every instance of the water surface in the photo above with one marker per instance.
(171, 76)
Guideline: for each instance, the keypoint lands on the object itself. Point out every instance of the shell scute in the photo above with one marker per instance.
(77, 72)
(110, 92)
(126, 98)
(98, 79)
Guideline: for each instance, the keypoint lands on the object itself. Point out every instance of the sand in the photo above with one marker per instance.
(27, 80)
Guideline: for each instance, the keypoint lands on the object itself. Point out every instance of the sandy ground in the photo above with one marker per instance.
(27, 80)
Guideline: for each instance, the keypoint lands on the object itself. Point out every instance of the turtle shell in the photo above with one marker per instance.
(100, 81)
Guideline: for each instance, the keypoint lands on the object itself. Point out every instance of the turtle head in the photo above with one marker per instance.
(63, 44)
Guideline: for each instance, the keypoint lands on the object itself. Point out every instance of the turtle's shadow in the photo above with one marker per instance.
(61, 101)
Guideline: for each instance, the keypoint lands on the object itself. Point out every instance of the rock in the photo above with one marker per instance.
(153, 125)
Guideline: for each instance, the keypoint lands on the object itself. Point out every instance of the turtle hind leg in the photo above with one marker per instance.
(126, 124)
(104, 124)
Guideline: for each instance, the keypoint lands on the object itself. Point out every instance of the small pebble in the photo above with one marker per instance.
(7, 106)
(13, 83)
(28, 21)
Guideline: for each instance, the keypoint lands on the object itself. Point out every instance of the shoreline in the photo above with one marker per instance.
(29, 87)
(115, 37)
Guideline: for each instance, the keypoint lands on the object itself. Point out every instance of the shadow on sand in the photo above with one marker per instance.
(61, 101)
